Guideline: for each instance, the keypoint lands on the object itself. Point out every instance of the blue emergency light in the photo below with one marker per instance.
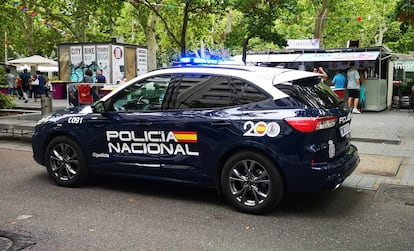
(197, 61)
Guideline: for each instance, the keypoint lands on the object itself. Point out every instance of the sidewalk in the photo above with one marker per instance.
(385, 141)
(31, 105)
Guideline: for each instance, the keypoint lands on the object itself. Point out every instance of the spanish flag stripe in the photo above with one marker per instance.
(186, 137)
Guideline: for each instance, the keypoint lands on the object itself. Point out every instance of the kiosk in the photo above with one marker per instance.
(371, 61)
(117, 61)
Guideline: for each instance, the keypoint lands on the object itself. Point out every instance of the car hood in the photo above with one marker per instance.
(66, 112)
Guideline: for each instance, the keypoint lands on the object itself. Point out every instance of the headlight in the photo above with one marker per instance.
(43, 120)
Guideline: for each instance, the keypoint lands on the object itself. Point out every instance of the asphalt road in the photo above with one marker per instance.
(122, 214)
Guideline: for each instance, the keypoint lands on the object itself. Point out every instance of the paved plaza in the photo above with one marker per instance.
(385, 141)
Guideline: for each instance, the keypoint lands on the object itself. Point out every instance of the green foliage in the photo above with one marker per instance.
(178, 26)
(258, 21)
(404, 11)
(6, 101)
(3, 77)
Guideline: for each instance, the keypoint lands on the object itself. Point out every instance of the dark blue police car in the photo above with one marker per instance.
(256, 133)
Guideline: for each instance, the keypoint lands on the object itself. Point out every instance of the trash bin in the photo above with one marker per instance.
(46, 105)
(59, 90)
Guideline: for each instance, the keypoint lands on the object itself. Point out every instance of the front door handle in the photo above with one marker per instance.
(221, 123)
(144, 124)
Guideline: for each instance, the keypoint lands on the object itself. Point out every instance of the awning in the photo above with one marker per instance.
(276, 58)
(338, 56)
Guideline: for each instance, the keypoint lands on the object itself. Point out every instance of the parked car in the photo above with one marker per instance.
(255, 133)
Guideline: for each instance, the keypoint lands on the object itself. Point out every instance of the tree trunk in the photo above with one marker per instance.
(148, 23)
(320, 17)
(380, 36)
(244, 53)
(152, 46)
(184, 31)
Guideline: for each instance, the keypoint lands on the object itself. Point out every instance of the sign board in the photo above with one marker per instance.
(303, 44)
(111, 58)
(118, 63)
(339, 56)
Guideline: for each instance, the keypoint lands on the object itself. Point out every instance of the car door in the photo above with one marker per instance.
(203, 118)
(126, 136)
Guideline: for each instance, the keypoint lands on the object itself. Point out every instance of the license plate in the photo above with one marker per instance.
(345, 130)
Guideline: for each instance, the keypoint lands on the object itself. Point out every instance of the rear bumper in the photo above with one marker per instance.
(326, 176)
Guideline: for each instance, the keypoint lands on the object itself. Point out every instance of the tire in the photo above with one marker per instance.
(252, 183)
(65, 162)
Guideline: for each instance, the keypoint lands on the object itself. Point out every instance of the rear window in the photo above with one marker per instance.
(311, 92)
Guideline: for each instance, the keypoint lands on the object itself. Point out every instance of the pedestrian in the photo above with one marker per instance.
(35, 87)
(42, 83)
(73, 95)
(48, 86)
(339, 80)
(25, 77)
(10, 78)
(320, 70)
(19, 88)
(88, 78)
(361, 102)
(100, 78)
(353, 86)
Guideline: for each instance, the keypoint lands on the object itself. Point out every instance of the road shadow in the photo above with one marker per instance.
(323, 204)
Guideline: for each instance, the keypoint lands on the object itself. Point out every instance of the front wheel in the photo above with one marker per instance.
(65, 162)
(252, 183)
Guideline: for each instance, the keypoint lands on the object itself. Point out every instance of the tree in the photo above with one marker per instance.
(405, 11)
(187, 10)
(259, 22)
(37, 26)
(85, 20)
(321, 12)
(147, 20)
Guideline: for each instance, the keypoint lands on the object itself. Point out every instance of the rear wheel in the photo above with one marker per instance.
(65, 162)
(252, 183)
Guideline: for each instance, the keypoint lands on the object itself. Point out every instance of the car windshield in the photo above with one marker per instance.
(141, 96)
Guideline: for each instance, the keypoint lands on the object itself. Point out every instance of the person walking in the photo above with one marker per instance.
(353, 86)
(10, 78)
(48, 86)
(19, 88)
(42, 83)
(100, 78)
(25, 77)
(35, 87)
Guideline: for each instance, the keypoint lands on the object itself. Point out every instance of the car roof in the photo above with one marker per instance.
(265, 77)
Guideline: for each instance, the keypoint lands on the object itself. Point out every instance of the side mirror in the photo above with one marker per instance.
(98, 107)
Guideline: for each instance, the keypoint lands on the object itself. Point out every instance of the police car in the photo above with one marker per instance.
(255, 133)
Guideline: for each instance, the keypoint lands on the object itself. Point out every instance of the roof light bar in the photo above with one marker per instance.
(196, 61)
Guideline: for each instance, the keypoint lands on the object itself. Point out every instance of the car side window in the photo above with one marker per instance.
(198, 91)
(247, 93)
(145, 95)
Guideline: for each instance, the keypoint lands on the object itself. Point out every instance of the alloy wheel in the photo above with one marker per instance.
(249, 183)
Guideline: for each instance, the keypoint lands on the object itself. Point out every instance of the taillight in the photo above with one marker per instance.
(310, 124)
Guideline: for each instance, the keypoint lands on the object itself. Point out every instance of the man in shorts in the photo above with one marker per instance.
(353, 88)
